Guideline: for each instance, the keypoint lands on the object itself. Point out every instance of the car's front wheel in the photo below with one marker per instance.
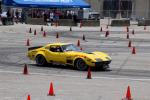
(40, 60)
(81, 65)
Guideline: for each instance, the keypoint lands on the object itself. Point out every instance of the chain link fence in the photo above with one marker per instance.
(129, 14)
(134, 16)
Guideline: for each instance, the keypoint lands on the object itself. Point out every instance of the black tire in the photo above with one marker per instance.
(81, 65)
(40, 60)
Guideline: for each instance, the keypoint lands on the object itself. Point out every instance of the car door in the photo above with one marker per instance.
(55, 54)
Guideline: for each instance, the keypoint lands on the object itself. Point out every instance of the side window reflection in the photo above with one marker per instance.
(55, 49)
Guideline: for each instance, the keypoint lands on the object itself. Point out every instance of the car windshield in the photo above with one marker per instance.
(70, 47)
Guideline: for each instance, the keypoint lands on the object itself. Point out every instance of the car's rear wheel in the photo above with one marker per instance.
(40, 60)
(81, 65)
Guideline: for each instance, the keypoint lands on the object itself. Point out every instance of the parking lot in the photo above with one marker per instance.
(126, 69)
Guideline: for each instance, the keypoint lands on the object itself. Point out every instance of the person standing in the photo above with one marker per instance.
(51, 17)
(45, 17)
(75, 20)
(56, 17)
(23, 16)
(8, 13)
(9, 20)
(17, 16)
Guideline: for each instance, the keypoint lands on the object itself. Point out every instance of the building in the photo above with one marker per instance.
(127, 8)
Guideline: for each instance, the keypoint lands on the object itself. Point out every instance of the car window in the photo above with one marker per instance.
(55, 49)
(70, 47)
(47, 47)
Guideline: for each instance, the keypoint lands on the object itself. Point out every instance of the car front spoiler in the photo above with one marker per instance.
(100, 64)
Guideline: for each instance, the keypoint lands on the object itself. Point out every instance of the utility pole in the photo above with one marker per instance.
(119, 10)
(119, 5)
(99, 12)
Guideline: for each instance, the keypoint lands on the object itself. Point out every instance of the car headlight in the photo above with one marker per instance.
(98, 60)
(89, 59)
(108, 58)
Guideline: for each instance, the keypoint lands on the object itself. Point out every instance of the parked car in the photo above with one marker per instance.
(90, 14)
(94, 16)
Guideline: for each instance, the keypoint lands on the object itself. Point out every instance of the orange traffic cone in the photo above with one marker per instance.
(70, 28)
(41, 28)
(28, 42)
(133, 50)
(107, 33)
(78, 43)
(144, 27)
(133, 32)
(128, 94)
(81, 24)
(127, 29)
(44, 34)
(89, 73)
(83, 38)
(57, 35)
(35, 32)
(127, 35)
(28, 98)
(51, 90)
(30, 30)
(55, 24)
(129, 45)
(101, 30)
(107, 27)
(25, 71)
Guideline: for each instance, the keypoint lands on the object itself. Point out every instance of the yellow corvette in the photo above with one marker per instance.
(68, 54)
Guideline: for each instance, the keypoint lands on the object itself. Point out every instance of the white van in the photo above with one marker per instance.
(94, 15)
(89, 14)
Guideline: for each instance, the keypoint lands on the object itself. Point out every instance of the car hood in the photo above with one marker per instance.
(91, 55)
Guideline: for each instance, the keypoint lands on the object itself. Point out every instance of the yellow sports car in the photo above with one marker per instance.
(68, 54)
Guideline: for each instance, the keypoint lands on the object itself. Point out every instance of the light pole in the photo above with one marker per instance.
(133, 8)
(99, 12)
(119, 9)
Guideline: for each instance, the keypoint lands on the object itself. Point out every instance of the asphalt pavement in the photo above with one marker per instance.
(126, 69)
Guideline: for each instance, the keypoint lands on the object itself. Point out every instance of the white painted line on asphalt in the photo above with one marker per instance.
(108, 78)
(10, 72)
